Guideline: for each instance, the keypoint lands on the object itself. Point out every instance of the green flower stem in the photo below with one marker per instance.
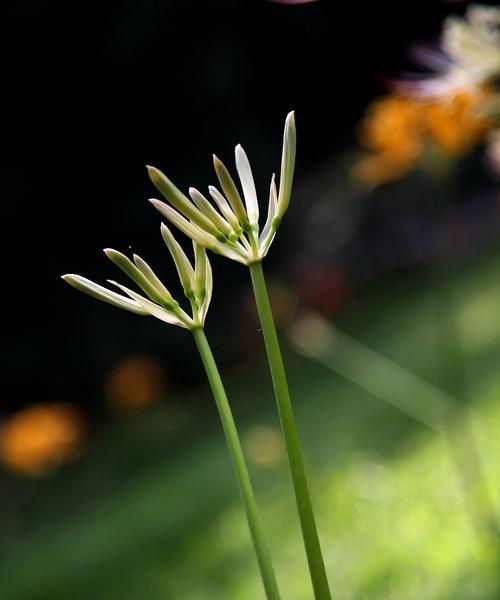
(240, 466)
(303, 499)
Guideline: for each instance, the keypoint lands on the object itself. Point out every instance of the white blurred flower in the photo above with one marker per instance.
(196, 282)
(229, 225)
(473, 42)
(468, 58)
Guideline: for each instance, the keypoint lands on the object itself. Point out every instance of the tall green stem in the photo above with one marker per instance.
(303, 499)
(240, 467)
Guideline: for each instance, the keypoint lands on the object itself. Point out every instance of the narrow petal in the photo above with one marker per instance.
(265, 244)
(197, 234)
(148, 272)
(248, 185)
(101, 293)
(190, 229)
(231, 191)
(180, 201)
(182, 264)
(128, 267)
(271, 211)
(200, 268)
(156, 311)
(234, 251)
(287, 164)
(208, 291)
(209, 211)
(224, 207)
(204, 280)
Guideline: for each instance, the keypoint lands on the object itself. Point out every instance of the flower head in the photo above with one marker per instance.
(229, 224)
(196, 282)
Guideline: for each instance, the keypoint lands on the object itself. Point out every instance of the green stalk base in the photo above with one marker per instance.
(289, 427)
(239, 465)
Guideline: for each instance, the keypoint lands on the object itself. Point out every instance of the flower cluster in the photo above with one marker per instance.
(232, 229)
(229, 225)
(196, 282)
(439, 116)
(402, 131)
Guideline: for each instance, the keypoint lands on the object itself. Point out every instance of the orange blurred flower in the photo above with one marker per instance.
(457, 125)
(135, 383)
(41, 437)
(399, 129)
(393, 126)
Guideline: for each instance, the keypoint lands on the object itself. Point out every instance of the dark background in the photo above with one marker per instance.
(94, 91)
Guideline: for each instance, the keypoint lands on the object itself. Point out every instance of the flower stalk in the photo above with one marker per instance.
(235, 232)
(196, 281)
(240, 467)
(289, 427)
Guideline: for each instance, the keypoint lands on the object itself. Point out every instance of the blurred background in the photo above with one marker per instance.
(115, 480)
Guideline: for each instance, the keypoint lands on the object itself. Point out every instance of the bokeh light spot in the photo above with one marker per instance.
(264, 446)
(134, 383)
(41, 437)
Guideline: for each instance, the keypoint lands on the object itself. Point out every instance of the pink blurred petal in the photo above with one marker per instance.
(421, 87)
(293, 1)
(430, 57)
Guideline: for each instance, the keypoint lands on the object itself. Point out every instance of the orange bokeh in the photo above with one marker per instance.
(393, 126)
(41, 437)
(457, 125)
(134, 383)
(398, 130)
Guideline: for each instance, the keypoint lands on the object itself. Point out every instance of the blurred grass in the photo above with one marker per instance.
(390, 510)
